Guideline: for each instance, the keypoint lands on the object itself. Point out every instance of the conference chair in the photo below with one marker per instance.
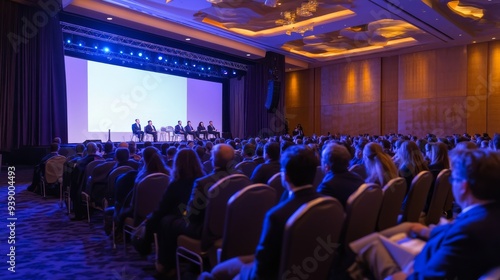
(98, 182)
(362, 208)
(394, 193)
(84, 194)
(195, 250)
(147, 196)
(275, 183)
(162, 134)
(416, 197)
(53, 175)
(247, 167)
(442, 188)
(245, 214)
(314, 223)
(170, 131)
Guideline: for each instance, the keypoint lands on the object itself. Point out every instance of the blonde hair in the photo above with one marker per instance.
(410, 156)
(379, 166)
(439, 154)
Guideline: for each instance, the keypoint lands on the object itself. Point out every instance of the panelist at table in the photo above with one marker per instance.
(136, 129)
(202, 130)
(190, 130)
(213, 130)
(150, 129)
(179, 129)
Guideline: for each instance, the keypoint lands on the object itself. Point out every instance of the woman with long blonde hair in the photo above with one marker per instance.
(379, 166)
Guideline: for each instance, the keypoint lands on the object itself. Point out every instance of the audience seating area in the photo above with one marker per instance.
(236, 207)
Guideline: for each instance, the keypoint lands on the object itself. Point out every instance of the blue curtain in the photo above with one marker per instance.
(32, 76)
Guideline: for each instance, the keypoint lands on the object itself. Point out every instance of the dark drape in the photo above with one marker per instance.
(258, 120)
(32, 77)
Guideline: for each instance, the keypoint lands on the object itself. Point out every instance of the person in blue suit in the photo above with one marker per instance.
(468, 247)
(299, 166)
(136, 129)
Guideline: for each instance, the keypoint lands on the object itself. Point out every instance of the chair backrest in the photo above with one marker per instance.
(394, 193)
(362, 210)
(247, 167)
(110, 190)
(275, 183)
(54, 168)
(163, 129)
(313, 224)
(147, 195)
(88, 171)
(218, 196)
(416, 197)
(318, 178)
(101, 171)
(245, 214)
(442, 188)
(359, 169)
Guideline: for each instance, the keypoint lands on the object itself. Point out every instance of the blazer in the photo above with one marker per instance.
(211, 129)
(189, 128)
(340, 185)
(149, 129)
(268, 253)
(179, 129)
(264, 172)
(201, 129)
(464, 249)
(136, 128)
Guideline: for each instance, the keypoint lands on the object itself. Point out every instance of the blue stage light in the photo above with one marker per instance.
(160, 57)
(131, 53)
(106, 49)
(203, 68)
(95, 47)
(140, 54)
(80, 44)
(121, 51)
(69, 41)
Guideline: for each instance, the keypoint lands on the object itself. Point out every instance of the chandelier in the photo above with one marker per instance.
(289, 17)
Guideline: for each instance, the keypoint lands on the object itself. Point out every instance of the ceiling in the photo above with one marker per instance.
(310, 33)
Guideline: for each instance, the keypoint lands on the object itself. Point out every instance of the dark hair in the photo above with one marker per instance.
(272, 149)
(186, 166)
(249, 149)
(80, 148)
(153, 163)
(108, 147)
(200, 151)
(479, 168)
(54, 147)
(122, 154)
(171, 151)
(299, 164)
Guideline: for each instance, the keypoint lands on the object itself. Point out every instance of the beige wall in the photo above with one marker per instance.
(442, 91)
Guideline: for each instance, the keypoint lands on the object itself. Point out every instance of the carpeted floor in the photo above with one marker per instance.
(50, 246)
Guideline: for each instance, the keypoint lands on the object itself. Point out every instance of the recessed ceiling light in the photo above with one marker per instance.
(460, 35)
(109, 18)
(494, 38)
(188, 39)
(473, 42)
(248, 54)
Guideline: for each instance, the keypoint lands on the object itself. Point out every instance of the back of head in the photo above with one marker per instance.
(379, 166)
(187, 165)
(171, 151)
(299, 165)
(108, 147)
(54, 147)
(439, 154)
(91, 148)
(80, 148)
(57, 140)
(249, 150)
(122, 154)
(479, 168)
(496, 141)
(272, 150)
(223, 156)
(132, 148)
(200, 152)
(466, 145)
(336, 157)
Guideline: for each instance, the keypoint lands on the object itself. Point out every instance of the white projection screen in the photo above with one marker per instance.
(102, 97)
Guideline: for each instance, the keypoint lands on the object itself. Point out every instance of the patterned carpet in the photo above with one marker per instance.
(50, 246)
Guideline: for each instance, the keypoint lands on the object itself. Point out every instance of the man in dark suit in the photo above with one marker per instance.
(136, 129)
(190, 130)
(338, 181)
(150, 129)
(213, 130)
(467, 247)
(179, 129)
(264, 172)
(299, 165)
(192, 222)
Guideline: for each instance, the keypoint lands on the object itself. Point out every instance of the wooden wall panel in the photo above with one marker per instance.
(300, 100)
(477, 87)
(493, 107)
(351, 119)
(389, 94)
(389, 117)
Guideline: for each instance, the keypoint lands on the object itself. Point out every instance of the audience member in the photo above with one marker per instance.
(379, 166)
(151, 129)
(39, 169)
(338, 181)
(263, 172)
(299, 166)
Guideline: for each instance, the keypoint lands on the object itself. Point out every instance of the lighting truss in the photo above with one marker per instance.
(211, 63)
